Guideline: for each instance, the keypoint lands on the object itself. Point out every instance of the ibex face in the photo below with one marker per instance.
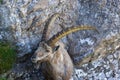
(43, 54)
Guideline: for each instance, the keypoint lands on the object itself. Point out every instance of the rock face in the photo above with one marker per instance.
(96, 55)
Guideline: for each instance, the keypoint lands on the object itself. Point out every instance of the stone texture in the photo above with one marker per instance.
(102, 69)
(96, 55)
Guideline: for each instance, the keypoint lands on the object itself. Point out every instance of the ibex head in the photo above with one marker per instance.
(44, 53)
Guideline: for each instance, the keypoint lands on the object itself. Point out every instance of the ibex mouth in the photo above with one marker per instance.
(37, 65)
(33, 60)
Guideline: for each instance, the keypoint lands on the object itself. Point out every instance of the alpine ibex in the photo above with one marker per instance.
(53, 57)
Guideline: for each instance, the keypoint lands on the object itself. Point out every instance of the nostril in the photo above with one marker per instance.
(33, 59)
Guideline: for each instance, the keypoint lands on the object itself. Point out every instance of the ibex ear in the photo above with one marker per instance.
(56, 48)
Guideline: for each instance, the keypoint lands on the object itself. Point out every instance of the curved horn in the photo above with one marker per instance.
(47, 27)
(67, 31)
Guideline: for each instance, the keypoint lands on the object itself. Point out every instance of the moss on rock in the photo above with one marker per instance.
(1, 1)
(3, 79)
(7, 57)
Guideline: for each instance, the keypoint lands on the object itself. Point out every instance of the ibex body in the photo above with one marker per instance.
(56, 65)
(56, 62)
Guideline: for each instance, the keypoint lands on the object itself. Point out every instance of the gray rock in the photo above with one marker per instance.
(96, 55)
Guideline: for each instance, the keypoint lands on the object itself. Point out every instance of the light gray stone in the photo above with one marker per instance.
(22, 22)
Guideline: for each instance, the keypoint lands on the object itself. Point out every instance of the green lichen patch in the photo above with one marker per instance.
(7, 57)
(3, 79)
(1, 1)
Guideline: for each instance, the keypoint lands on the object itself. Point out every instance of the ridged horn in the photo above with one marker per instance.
(48, 25)
(67, 31)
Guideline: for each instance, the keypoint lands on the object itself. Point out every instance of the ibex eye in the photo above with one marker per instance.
(47, 50)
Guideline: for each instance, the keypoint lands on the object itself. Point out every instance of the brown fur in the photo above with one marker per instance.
(57, 65)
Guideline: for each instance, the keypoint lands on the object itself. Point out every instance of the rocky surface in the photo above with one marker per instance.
(107, 68)
(22, 23)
